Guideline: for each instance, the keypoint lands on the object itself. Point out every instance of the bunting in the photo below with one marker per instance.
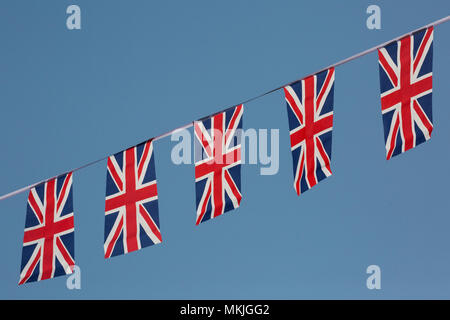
(48, 241)
(310, 114)
(131, 199)
(406, 84)
(131, 206)
(218, 164)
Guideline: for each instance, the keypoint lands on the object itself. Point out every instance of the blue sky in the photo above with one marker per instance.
(139, 68)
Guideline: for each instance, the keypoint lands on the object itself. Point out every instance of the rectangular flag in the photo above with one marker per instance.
(406, 86)
(218, 163)
(310, 115)
(131, 206)
(48, 241)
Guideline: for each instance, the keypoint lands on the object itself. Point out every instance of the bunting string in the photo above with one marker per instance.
(190, 124)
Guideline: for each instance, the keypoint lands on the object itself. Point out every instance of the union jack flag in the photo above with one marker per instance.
(406, 86)
(310, 114)
(48, 241)
(131, 206)
(218, 163)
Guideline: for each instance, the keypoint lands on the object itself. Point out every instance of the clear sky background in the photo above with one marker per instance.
(140, 68)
